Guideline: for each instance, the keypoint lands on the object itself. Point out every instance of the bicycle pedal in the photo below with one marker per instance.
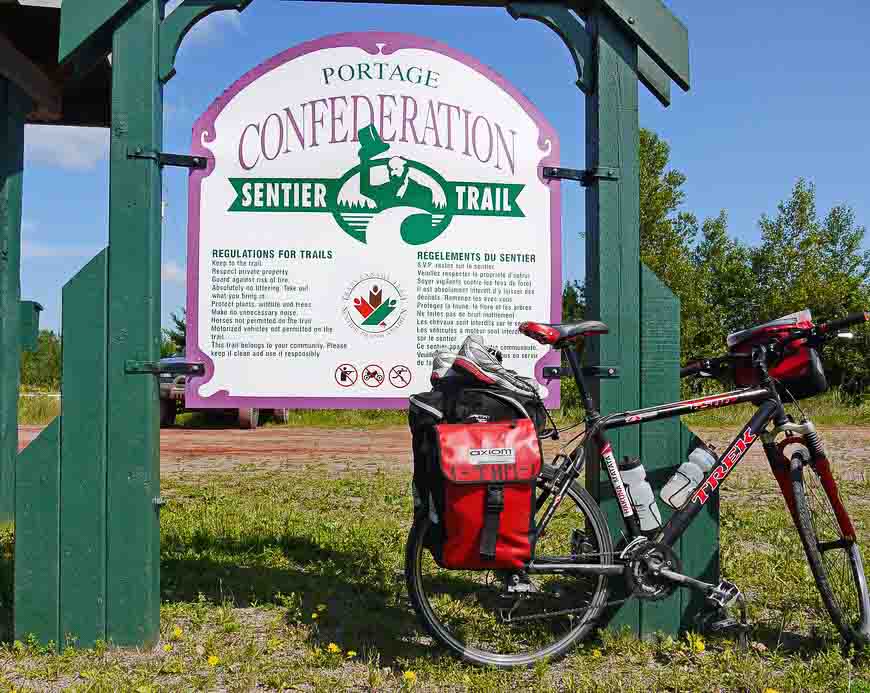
(725, 625)
(725, 594)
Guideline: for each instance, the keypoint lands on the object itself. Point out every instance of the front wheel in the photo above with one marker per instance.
(831, 546)
(507, 619)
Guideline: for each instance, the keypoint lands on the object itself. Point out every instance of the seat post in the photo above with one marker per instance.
(573, 355)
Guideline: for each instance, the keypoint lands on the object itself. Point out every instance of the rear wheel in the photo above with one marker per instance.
(508, 619)
(831, 547)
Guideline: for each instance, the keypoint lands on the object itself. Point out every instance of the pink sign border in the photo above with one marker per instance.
(204, 130)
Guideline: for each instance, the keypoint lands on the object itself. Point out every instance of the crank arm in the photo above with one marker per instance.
(583, 568)
(687, 581)
(723, 595)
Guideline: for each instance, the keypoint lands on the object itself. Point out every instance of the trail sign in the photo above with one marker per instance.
(371, 198)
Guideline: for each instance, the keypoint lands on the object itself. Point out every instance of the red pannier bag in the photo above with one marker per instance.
(488, 472)
(799, 370)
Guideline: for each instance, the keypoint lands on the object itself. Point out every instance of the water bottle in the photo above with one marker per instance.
(641, 494)
(688, 477)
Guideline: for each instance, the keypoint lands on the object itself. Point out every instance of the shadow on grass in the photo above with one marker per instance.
(365, 606)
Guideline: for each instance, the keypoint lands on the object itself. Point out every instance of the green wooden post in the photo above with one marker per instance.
(132, 437)
(37, 536)
(14, 106)
(661, 448)
(83, 457)
(613, 244)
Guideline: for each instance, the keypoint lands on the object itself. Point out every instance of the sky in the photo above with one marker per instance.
(780, 90)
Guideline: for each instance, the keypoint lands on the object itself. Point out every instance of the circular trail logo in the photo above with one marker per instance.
(374, 305)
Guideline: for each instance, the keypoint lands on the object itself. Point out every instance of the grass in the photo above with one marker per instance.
(37, 410)
(293, 579)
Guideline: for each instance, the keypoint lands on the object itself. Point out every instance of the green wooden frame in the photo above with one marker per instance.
(90, 484)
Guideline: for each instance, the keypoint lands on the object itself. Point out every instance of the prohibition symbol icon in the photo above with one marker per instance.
(373, 375)
(346, 375)
(400, 376)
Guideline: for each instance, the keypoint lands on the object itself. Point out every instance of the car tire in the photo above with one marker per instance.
(167, 412)
(249, 418)
(281, 416)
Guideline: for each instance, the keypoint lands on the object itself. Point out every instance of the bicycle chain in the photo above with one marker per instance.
(563, 612)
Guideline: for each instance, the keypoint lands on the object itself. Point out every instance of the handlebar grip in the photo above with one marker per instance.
(691, 368)
(853, 319)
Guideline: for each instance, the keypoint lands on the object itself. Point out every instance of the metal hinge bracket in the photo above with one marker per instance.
(585, 177)
(603, 372)
(151, 368)
(197, 163)
(158, 501)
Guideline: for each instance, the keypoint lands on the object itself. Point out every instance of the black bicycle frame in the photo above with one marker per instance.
(769, 408)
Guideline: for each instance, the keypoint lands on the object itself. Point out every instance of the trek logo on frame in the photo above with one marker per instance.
(732, 457)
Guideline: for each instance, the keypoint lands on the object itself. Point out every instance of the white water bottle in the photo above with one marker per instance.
(641, 494)
(688, 477)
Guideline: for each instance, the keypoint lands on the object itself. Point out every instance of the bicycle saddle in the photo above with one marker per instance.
(559, 335)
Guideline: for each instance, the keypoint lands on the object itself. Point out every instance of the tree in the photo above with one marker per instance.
(807, 262)
(175, 338)
(667, 236)
(573, 302)
(40, 369)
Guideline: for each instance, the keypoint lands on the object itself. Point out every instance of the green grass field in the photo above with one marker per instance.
(293, 580)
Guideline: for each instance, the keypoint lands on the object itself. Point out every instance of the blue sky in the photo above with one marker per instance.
(780, 90)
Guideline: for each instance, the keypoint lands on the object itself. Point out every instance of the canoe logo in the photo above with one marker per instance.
(384, 185)
(374, 305)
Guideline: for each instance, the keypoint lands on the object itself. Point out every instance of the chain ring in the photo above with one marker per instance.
(640, 570)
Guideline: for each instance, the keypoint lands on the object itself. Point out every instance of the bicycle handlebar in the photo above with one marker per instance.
(822, 331)
(834, 325)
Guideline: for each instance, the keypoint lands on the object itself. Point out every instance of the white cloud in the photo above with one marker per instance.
(31, 249)
(76, 149)
(173, 273)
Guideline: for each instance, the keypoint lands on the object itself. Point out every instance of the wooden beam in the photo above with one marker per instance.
(662, 36)
(17, 68)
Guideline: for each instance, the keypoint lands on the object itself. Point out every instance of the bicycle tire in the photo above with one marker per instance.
(850, 619)
(440, 633)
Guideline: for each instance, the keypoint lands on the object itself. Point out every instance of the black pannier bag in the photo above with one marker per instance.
(458, 398)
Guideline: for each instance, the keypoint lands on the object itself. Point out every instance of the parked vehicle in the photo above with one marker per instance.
(516, 592)
(172, 401)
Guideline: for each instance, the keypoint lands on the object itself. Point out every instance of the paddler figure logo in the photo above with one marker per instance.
(417, 192)
(383, 193)
(374, 305)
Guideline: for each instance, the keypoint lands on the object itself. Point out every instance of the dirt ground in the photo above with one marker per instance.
(202, 450)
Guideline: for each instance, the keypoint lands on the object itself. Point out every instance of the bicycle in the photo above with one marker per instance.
(507, 619)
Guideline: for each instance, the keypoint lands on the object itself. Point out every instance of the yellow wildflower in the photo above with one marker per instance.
(770, 690)
(332, 647)
(596, 653)
(410, 677)
(167, 647)
(696, 643)
(314, 617)
(213, 660)
(351, 654)
(177, 632)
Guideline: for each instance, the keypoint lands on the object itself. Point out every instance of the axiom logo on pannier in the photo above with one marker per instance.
(492, 456)
(734, 455)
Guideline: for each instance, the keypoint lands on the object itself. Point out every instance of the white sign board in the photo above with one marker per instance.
(370, 199)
